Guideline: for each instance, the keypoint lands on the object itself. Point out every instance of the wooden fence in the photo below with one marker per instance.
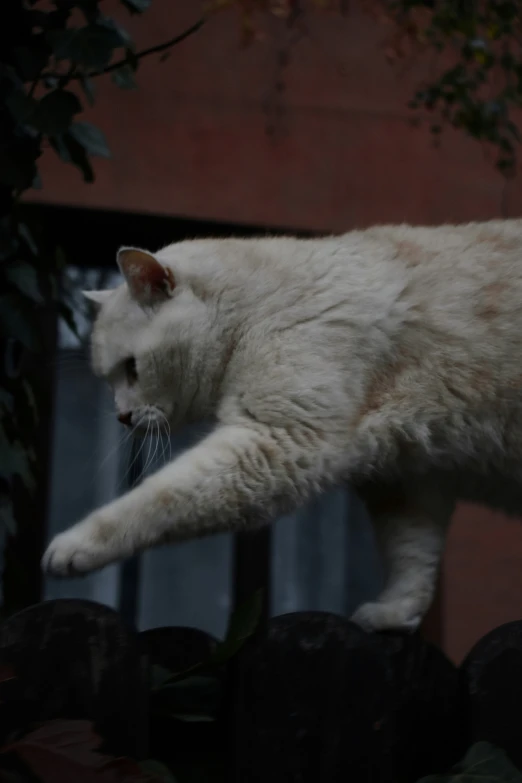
(308, 697)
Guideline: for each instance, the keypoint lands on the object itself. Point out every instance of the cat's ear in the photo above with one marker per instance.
(98, 297)
(149, 282)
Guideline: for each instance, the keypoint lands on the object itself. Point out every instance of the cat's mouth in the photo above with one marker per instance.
(149, 421)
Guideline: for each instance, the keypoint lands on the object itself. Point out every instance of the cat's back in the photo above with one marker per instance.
(462, 259)
(466, 278)
(471, 251)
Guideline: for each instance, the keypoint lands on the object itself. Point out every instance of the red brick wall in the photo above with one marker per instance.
(483, 582)
(193, 141)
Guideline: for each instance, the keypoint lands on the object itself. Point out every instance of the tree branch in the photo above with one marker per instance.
(153, 49)
(138, 56)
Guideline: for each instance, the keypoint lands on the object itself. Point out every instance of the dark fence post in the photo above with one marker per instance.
(22, 577)
(252, 571)
(252, 560)
(74, 660)
(130, 569)
(492, 672)
(193, 750)
(323, 701)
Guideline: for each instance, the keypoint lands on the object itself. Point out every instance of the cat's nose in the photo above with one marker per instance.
(125, 418)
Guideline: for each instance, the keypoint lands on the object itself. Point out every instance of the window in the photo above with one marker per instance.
(322, 557)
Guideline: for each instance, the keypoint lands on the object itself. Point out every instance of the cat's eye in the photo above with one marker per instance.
(131, 371)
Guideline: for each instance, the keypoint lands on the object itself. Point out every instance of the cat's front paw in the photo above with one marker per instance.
(86, 547)
(401, 615)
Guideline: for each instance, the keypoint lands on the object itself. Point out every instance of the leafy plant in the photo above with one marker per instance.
(480, 82)
(199, 681)
(483, 763)
(50, 57)
(192, 699)
(478, 60)
(60, 751)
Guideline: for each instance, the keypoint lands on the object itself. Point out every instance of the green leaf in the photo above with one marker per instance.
(159, 770)
(483, 763)
(53, 285)
(60, 147)
(242, 625)
(25, 278)
(15, 460)
(51, 82)
(89, 9)
(71, 151)
(136, 6)
(112, 24)
(31, 60)
(59, 258)
(88, 89)
(70, 750)
(514, 130)
(194, 699)
(7, 518)
(91, 138)
(6, 400)
(79, 158)
(90, 46)
(124, 78)
(61, 40)
(31, 399)
(159, 675)
(16, 321)
(55, 112)
(23, 230)
(21, 106)
(9, 244)
(192, 718)
(245, 619)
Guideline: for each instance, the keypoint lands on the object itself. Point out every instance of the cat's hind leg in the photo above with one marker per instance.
(410, 527)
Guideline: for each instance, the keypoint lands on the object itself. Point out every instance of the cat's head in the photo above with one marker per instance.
(152, 341)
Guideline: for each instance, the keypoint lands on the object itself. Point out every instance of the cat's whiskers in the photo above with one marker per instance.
(138, 453)
(122, 441)
(148, 462)
(165, 447)
(150, 434)
(167, 433)
(158, 437)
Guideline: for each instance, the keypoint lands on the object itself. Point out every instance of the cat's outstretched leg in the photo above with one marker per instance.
(237, 477)
(411, 530)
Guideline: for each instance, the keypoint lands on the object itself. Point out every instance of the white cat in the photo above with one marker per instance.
(390, 358)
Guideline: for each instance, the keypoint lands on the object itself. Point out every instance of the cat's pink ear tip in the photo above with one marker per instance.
(130, 257)
(148, 280)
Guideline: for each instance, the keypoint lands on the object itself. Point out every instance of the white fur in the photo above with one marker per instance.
(388, 357)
